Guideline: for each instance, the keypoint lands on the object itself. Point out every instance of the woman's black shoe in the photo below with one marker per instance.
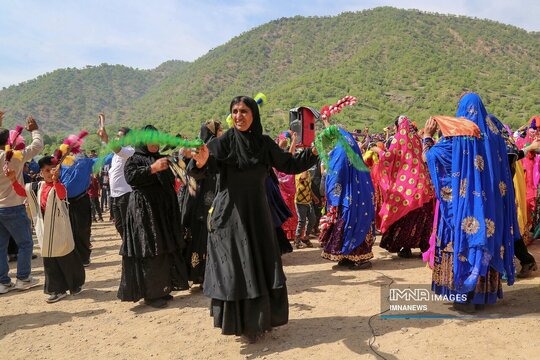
(156, 303)
(526, 270)
(361, 265)
(405, 253)
(346, 263)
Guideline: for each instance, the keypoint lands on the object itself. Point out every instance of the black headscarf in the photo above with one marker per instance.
(241, 148)
(209, 130)
(166, 177)
(143, 149)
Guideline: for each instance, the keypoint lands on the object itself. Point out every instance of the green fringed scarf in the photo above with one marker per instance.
(144, 137)
(331, 137)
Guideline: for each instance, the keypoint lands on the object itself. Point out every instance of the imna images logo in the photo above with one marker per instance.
(422, 295)
(409, 295)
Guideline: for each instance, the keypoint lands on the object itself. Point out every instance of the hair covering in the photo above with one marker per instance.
(352, 190)
(242, 149)
(209, 130)
(143, 148)
(404, 178)
(473, 182)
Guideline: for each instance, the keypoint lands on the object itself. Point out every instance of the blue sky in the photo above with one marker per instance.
(39, 36)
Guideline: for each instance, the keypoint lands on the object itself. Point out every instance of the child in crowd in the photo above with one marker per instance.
(93, 193)
(304, 210)
(63, 267)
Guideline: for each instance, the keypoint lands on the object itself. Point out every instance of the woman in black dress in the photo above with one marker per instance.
(244, 275)
(152, 263)
(195, 216)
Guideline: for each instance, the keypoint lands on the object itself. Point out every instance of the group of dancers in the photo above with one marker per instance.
(222, 214)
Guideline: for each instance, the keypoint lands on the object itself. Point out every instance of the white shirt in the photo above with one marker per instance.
(117, 180)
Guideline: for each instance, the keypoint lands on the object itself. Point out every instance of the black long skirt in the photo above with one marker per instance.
(63, 273)
(149, 278)
(251, 317)
(80, 216)
(284, 243)
(196, 251)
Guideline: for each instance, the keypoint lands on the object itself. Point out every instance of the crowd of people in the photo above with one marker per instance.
(463, 190)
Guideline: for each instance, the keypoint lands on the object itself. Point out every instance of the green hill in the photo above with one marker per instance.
(68, 99)
(394, 61)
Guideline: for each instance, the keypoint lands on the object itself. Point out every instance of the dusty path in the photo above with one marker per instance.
(329, 315)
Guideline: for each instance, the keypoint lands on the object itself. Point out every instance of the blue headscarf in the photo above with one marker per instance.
(473, 182)
(352, 191)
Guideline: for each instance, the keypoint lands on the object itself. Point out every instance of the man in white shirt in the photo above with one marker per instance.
(14, 221)
(120, 190)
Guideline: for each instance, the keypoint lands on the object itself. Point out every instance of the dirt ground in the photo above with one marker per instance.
(333, 314)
